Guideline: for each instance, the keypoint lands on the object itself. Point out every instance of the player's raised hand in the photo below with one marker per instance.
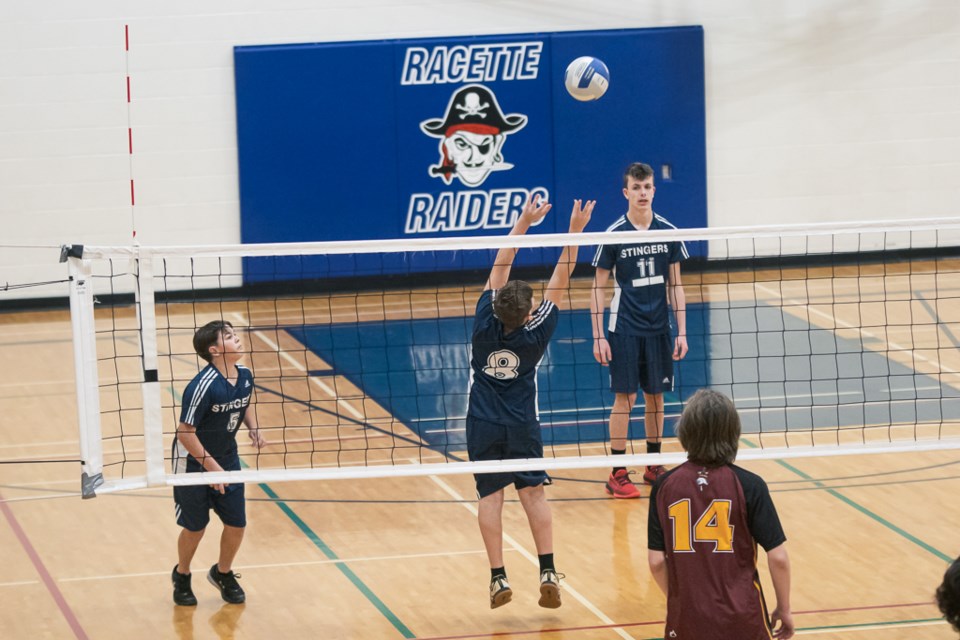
(581, 215)
(533, 211)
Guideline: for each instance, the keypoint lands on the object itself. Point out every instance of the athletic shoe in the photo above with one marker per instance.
(550, 588)
(182, 593)
(620, 486)
(500, 592)
(230, 591)
(652, 473)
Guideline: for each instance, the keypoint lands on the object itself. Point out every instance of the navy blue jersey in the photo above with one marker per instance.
(503, 368)
(215, 408)
(708, 522)
(641, 272)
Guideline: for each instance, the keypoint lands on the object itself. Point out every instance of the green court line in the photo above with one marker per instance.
(326, 550)
(859, 507)
(344, 569)
(889, 623)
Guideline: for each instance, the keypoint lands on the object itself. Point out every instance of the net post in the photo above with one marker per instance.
(85, 369)
(147, 317)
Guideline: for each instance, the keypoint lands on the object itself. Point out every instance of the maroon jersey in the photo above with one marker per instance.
(714, 518)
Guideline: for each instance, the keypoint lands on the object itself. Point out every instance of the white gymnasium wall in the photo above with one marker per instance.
(816, 111)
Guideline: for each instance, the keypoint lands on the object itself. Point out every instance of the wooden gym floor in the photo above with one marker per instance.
(869, 536)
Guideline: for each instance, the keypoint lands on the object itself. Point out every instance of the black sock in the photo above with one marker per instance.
(546, 562)
(653, 447)
(497, 572)
(618, 452)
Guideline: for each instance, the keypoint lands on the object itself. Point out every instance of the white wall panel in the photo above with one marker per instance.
(816, 111)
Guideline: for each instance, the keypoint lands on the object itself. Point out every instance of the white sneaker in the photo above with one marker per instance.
(500, 592)
(550, 588)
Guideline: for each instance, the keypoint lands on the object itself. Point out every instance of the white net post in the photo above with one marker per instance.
(152, 421)
(85, 366)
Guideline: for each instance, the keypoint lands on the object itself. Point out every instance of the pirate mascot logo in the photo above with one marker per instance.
(471, 136)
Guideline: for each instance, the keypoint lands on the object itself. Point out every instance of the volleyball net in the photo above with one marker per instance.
(831, 339)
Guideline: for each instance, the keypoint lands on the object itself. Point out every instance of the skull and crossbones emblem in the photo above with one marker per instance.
(471, 134)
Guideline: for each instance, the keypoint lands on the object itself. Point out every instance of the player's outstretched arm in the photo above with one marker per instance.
(533, 212)
(560, 279)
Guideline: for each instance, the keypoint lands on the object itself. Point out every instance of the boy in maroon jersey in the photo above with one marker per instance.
(705, 558)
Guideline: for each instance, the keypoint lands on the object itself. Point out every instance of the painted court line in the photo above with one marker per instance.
(272, 565)
(344, 569)
(314, 379)
(326, 550)
(535, 562)
(45, 576)
(891, 346)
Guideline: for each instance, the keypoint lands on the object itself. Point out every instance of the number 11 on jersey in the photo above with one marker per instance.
(646, 267)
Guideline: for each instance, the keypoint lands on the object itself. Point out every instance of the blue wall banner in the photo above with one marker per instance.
(450, 136)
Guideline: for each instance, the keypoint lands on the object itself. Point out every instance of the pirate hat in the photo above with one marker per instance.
(476, 105)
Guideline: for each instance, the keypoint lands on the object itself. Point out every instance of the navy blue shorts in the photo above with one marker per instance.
(641, 361)
(492, 441)
(193, 504)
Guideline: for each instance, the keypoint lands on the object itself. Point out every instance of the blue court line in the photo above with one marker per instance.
(326, 550)
(859, 507)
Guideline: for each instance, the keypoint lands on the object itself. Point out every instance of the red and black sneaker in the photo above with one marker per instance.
(652, 473)
(620, 486)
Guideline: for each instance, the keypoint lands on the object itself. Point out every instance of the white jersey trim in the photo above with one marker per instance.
(540, 315)
(201, 390)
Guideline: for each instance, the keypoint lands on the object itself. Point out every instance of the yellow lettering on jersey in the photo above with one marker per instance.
(679, 513)
(713, 525)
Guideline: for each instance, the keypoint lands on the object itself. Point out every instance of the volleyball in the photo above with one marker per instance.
(587, 78)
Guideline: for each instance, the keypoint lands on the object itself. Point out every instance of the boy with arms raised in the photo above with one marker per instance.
(509, 340)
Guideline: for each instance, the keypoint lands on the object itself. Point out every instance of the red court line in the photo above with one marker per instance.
(42, 570)
(502, 634)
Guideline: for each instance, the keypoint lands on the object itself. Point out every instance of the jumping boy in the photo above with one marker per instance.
(502, 419)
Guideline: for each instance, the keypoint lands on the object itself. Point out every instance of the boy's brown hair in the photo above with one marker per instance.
(207, 336)
(709, 429)
(639, 171)
(512, 304)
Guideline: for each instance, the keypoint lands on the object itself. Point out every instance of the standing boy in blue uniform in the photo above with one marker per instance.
(639, 350)
(215, 403)
(502, 417)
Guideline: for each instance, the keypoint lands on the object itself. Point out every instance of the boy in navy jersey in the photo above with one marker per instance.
(639, 350)
(705, 521)
(215, 403)
(502, 419)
